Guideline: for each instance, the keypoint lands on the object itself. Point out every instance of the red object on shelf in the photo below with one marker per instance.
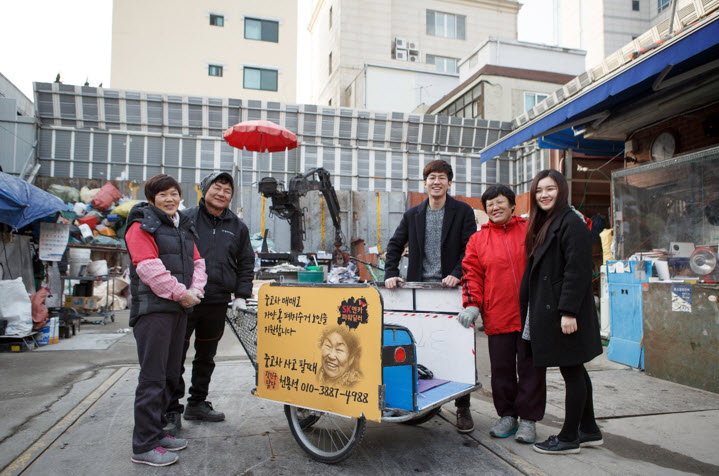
(90, 221)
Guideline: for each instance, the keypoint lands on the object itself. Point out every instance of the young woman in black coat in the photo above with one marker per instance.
(559, 318)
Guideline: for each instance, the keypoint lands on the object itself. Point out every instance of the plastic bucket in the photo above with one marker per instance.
(310, 276)
(97, 268)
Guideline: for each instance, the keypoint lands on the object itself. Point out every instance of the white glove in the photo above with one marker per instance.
(238, 305)
(468, 316)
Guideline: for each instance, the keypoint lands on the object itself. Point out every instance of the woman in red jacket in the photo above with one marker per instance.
(493, 265)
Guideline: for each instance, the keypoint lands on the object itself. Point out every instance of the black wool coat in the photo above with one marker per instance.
(558, 281)
(457, 227)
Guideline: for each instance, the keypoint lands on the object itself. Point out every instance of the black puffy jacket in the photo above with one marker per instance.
(176, 248)
(229, 260)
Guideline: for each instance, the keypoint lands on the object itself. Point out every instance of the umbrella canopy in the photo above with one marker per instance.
(260, 136)
(22, 203)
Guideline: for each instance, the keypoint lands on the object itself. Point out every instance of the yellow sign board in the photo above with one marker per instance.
(320, 347)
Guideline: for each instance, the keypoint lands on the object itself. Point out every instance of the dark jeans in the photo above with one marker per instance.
(207, 322)
(578, 403)
(159, 348)
(518, 388)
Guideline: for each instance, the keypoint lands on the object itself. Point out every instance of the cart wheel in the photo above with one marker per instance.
(306, 418)
(326, 437)
(424, 417)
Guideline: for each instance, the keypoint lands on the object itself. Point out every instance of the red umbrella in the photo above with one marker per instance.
(260, 136)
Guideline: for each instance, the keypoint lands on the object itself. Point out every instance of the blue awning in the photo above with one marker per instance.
(568, 139)
(622, 89)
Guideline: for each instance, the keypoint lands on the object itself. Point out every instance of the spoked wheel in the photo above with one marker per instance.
(326, 437)
(424, 418)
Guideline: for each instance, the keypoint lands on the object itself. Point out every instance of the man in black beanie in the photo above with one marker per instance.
(225, 245)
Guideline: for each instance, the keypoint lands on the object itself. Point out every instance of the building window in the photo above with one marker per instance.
(446, 25)
(330, 18)
(330, 63)
(257, 78)
(443, 64)
(217, 20)
(215, 70)
(663, 5)
(532, 99)
(262, 30)
(635, 5)
(469, 105)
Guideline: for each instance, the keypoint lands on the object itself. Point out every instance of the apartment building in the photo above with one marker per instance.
(355, 42)
(501, 79)
(602, 27)
(219, 48)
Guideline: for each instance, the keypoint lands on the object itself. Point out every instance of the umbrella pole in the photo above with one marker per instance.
(242, 181)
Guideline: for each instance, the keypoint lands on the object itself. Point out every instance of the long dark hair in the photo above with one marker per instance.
(539, 220)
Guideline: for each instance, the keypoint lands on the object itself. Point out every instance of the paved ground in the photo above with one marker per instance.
(68, 410)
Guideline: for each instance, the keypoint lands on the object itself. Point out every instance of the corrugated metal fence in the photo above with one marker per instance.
(97, 133)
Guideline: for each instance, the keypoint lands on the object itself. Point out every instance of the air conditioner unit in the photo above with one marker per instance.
(400, 43)
(597, 71)
(414, 56)
(411, 45)
(400, 55)
(686, 15)
(585, 79)
(613, 61)
(571, 88)
(521, 119)
(710, 5)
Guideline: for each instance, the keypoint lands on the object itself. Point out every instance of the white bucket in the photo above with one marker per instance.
(75, 268)
(97, 268)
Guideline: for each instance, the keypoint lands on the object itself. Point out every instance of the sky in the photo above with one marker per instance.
(41, 38)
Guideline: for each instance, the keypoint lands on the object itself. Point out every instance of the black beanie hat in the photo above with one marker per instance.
(207, 181)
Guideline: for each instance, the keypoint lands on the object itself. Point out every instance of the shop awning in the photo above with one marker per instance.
(687, 50)
(569, 139)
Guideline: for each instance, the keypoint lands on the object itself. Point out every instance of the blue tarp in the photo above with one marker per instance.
(567, 139)
(628, 86)
(22, 203)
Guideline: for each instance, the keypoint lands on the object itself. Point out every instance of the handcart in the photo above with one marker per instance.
(338, 355)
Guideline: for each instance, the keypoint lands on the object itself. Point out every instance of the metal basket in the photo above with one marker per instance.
(245, 328)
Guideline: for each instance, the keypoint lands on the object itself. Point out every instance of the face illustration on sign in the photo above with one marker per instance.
(340, 353)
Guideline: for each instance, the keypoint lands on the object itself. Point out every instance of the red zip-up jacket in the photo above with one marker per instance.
(493, 266)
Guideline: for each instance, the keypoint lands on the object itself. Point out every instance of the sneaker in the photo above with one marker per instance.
(174, 423)
(504, 427)
(202, 411)
(170, 443)
(526, 432)
(465, 424)
(157, 457)
(555, 446)
(590, 439)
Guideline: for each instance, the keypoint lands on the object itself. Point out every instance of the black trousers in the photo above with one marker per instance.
(578, 403)
(519, 389)
(159, 349)
(207, 322)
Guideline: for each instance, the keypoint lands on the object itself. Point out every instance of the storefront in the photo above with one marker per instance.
(662, 102)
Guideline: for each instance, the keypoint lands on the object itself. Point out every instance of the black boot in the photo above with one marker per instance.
(202, 411)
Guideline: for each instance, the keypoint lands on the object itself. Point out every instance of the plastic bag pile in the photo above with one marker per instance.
(99, 215)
